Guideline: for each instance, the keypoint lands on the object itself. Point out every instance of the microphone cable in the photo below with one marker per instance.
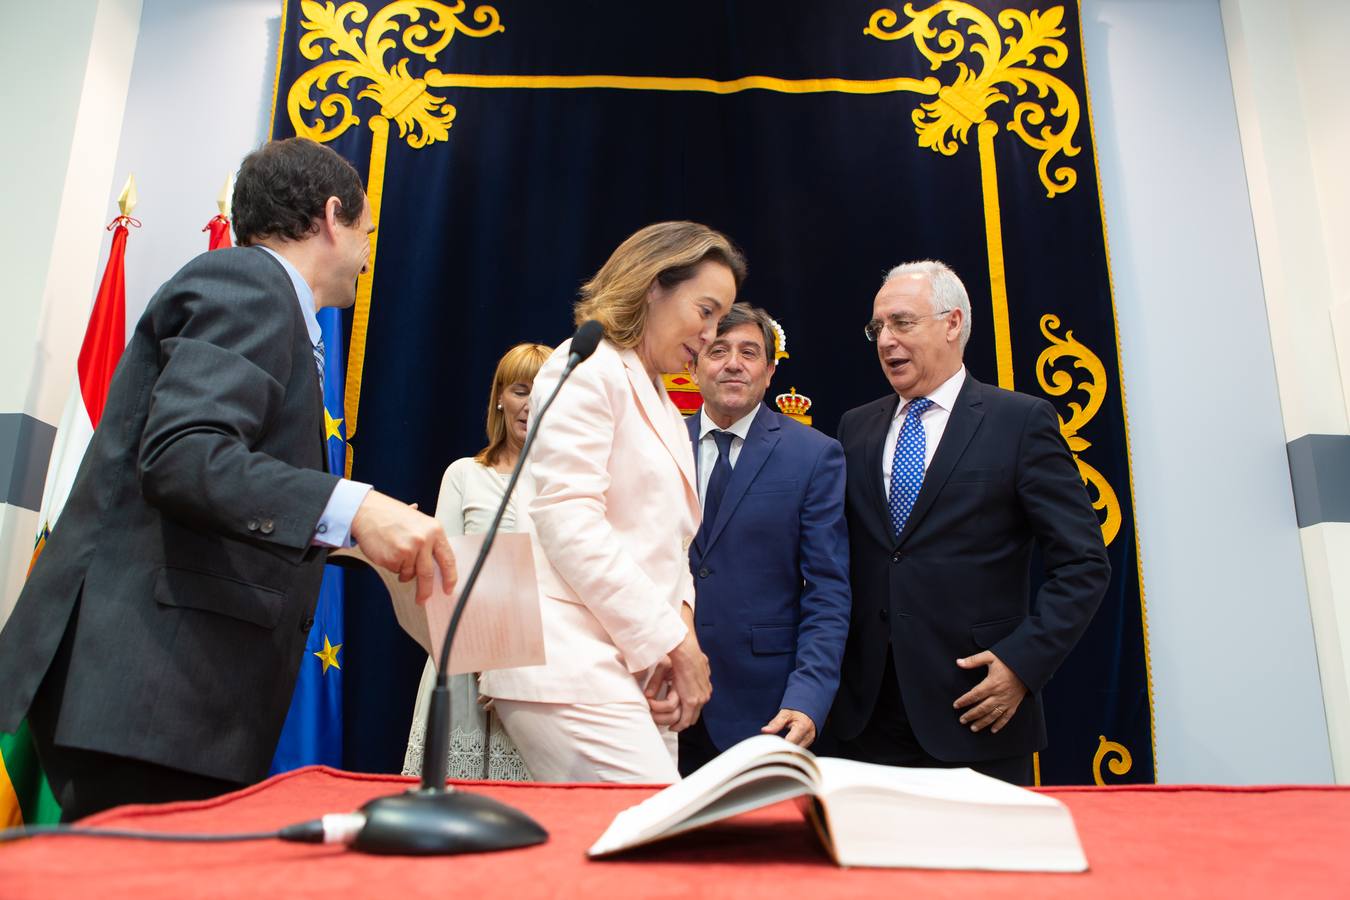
(334, 828)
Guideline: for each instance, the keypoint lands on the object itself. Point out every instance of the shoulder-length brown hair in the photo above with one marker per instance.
(668, 252)
(520, 364)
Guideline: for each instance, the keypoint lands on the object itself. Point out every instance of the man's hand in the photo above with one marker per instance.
(395, 536)
(800, 729)
(993, 701)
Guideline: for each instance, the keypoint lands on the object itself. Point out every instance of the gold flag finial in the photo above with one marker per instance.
(226, 195)
(127, 200)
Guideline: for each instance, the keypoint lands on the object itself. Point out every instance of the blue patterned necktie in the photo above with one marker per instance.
(907, 465)
(717, 481)
(319, 359)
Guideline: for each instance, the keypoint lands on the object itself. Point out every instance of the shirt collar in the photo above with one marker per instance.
(303, 293)
(740, 428)
(944, 396)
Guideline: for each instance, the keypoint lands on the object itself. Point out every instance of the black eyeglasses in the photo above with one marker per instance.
(897, 325)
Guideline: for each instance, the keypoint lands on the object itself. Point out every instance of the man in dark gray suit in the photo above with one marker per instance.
(156, 642)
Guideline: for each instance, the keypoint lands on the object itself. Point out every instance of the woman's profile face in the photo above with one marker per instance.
(515, 401)
(682, 320)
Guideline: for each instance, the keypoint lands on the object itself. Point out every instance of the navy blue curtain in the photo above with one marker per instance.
(486, 230)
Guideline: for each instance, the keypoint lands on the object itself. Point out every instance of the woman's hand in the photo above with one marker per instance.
(690, 680)
(661, 696)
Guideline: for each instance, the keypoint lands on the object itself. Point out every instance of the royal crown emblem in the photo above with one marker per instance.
(794, 405)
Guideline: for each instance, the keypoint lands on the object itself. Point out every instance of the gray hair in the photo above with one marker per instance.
(745, 314)
(948, 291)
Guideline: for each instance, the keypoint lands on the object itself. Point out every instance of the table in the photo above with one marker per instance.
(1141, 842)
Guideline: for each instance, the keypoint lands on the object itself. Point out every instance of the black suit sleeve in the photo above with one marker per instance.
(227, 338)
(1056, 505)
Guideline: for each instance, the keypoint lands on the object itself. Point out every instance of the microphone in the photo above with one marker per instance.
(434, 819)
(584, 343)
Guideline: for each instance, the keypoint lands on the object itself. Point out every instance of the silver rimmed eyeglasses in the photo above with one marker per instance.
(898, 325)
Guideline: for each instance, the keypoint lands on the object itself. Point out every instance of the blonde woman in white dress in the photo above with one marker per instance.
(470, 491)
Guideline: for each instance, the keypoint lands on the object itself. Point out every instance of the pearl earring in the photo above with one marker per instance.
(499, 406)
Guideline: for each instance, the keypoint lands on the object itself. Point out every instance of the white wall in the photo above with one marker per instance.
(1289, 71)
(200, 99)
(1236, 691)
(46, 52)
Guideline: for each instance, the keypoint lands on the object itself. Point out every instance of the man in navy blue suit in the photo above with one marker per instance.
(951, 484)
(770, 561)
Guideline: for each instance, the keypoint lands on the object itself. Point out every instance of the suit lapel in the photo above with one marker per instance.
(962, 424)
(873, 439)
(759, 443)
(659, 419)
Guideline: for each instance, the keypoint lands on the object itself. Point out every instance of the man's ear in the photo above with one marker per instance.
(955, 319)
(332, 207)
(773, 367)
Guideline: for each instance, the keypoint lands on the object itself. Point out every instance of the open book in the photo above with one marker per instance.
(866, 815)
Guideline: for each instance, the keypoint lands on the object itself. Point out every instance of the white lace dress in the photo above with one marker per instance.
(479, 746)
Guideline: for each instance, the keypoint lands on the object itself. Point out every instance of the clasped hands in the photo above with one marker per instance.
(395, 536)
(993, 702)
(680, 685)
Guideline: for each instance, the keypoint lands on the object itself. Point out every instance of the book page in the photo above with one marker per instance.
(756, 772)
(943, 819)
(956, 785)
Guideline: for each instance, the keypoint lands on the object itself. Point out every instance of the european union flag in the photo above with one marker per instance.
(313, 730)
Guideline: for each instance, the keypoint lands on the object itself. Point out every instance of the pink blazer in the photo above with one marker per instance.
(612, 502)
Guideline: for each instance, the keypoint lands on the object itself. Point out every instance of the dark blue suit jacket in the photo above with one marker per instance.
(771, 579)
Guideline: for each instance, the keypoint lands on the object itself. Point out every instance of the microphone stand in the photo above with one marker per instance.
(435, 819)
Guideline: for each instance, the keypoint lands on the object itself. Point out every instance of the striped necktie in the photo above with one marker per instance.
(319, 359)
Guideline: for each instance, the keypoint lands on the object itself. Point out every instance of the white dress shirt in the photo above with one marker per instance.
(707, 445)
(934, 421)
(335, 525)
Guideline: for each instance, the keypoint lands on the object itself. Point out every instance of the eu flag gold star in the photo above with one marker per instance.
(331, 425)
(328, 655)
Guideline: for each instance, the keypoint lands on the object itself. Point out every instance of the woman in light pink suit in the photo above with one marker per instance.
(612, 499)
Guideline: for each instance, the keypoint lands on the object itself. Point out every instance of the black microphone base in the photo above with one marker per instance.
(442, 822)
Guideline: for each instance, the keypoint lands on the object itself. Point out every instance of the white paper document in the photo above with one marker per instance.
(501, 627)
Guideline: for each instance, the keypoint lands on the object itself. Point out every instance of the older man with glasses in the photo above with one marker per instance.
(951, 485)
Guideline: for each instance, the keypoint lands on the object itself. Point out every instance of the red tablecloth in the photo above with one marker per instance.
(1141, 842)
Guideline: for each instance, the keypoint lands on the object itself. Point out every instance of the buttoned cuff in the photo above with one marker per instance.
(335, 525)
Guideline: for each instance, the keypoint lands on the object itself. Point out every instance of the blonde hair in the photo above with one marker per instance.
(519, 364)
(668, 252)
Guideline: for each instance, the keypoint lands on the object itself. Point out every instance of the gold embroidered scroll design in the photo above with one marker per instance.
(1013, 53)
(422, 118)
(1119, 765)
(1064, 366)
